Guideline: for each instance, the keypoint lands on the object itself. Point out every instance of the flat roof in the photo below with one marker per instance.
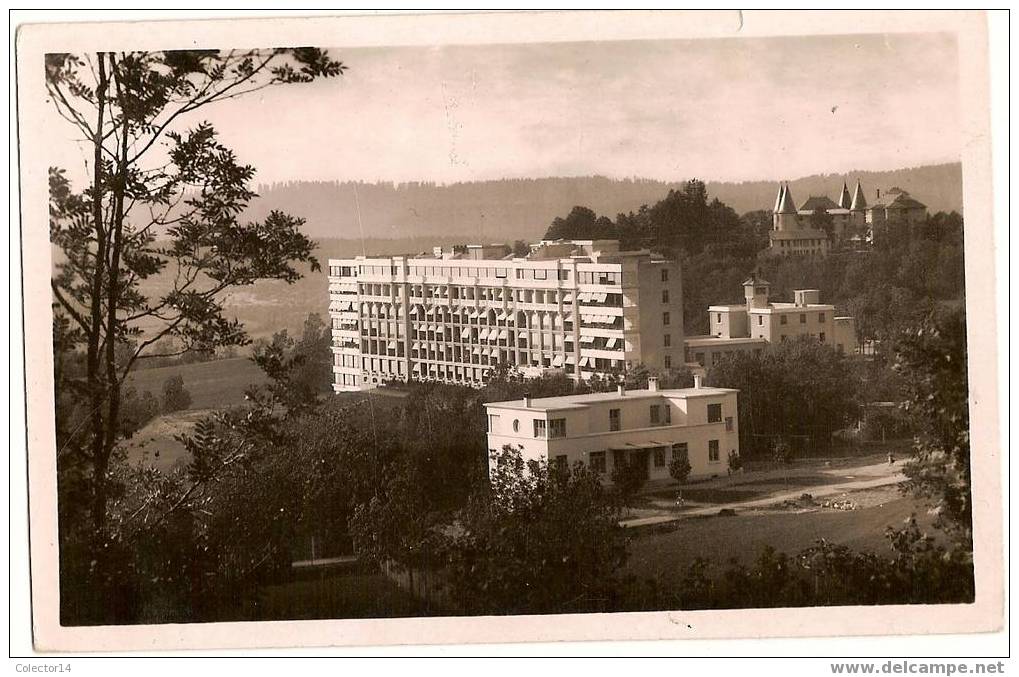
(699, 341)
(583, 401)
(785, 307)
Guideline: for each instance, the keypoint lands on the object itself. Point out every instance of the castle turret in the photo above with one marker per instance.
(786, 217)
(844, 199)
(859, 201)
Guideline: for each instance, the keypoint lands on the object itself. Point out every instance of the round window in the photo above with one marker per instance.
(516, 425)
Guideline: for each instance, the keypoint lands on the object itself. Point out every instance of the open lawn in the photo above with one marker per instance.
(213, 385)
(668, 553)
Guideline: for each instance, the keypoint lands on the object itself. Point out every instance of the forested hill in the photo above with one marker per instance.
(510, 209)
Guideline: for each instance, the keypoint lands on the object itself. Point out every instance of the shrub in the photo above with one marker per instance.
(679, 468)
(175, 395)
(628, 478)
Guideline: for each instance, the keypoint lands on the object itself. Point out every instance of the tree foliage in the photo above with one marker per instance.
(799, 389)
(543, 539)
(932, 360)
(175, 395)
(163, 200)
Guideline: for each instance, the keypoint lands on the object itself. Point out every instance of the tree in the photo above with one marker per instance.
(175, 395)
(800, 388)
(137, 411)
(521, 248)
(150, 179)
(541, 539)
(821, 220)
(679, 467)
(581, 224)
(932, 360)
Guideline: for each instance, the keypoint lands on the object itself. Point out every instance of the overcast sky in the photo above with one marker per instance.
(729, 109)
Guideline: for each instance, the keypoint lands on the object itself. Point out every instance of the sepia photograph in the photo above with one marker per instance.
(477, 320)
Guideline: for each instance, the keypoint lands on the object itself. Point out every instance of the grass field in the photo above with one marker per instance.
(213, 385)
(667, 555)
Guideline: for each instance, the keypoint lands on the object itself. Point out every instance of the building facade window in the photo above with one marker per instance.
(820, 318)
(714, 413)
(493, 421)
(665, 274)
(659, 457)
(665, 319)
(760, 320)
(667, 340)
(557, 428)
(516, 425)
(668, 361)
(784, 320)
(656, 413)
(821, 337)
(713, 455)
(803, 318)
(666, 414)
(614, 420)
(728, 424)
(665, 296)
(540, 428)
(598, 462)
(680, 450)
(560, 462)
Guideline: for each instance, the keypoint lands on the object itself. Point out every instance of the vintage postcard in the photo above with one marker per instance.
(509, 327)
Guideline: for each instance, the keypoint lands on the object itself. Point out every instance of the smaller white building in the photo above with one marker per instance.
(603, 430)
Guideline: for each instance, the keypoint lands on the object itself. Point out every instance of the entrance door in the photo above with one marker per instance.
(641, 458)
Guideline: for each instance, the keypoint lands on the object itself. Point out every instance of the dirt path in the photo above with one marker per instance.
(872, 472)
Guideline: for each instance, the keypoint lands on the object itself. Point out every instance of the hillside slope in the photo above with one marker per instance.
(511, 209)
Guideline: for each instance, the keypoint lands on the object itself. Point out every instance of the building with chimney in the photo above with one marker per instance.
(583, 306)
(895, 208)
(804, 230)
(751, 326)
(606, 430)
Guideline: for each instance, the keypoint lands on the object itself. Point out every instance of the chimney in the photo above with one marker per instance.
(652, 384)
(879, 193)
(621, 389)
(437, 252)
(527, 400)
(698, 380)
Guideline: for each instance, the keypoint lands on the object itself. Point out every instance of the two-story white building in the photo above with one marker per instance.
(604, 430)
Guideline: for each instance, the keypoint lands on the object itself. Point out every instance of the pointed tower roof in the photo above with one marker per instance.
(786, 204)
(778, 200)
(859, 201)
(844, 200)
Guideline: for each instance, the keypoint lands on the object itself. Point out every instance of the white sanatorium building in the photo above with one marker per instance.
(752, 325)
(603, 430)
(582, 306)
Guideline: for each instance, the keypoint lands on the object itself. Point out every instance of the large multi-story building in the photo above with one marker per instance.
(604, 430)
(752, 325)
(582, 306)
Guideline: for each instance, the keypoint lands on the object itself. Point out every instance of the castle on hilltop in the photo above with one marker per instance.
(819, 223)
